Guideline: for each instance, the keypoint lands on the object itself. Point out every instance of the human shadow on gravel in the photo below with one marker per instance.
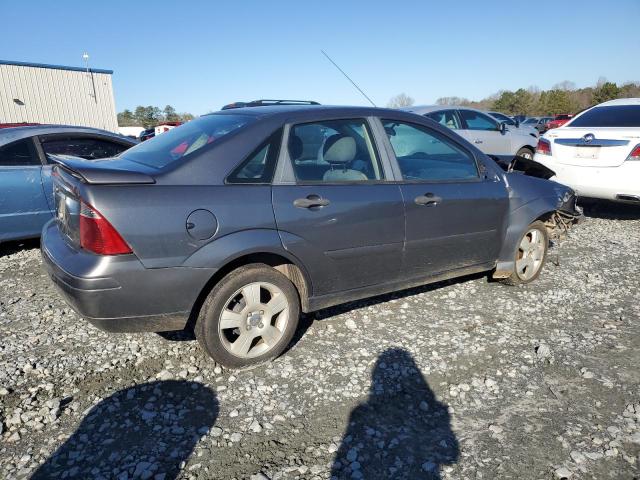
(144, 432)
(401, 431)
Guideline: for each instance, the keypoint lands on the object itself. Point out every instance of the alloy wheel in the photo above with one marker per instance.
(530, 254)
(253, 320)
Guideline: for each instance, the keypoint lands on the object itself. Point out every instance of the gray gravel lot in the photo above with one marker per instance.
(466, 379)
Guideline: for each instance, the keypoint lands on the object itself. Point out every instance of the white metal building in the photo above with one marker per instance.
(55, 94)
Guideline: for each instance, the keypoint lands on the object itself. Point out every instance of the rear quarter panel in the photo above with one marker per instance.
(153, 218)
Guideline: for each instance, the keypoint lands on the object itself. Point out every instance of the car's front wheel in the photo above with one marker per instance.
(530, 254)
(249, 317)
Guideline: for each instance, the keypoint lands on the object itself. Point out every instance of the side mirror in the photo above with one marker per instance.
(503, 128)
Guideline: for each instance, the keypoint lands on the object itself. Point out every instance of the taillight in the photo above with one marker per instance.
(635, 153)
(544, 147)
(97, 235)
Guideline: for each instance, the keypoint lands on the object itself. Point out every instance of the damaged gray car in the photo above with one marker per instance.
(235, 223)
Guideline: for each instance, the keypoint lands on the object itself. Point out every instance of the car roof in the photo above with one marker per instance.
(422, 109)
(304, 110)
(8, 135)
(620, 101)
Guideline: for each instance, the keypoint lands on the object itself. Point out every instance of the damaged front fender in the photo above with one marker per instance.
(534, 199)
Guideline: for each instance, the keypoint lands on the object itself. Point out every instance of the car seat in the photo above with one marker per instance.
(339, 151)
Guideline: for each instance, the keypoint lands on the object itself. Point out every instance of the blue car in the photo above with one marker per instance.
(26, 191)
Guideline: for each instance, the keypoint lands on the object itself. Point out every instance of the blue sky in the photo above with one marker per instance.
(200, 55)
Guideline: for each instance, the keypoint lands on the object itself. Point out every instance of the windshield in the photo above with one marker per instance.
(176, 144)
(529, 121)
(612, 116)
(562, 117)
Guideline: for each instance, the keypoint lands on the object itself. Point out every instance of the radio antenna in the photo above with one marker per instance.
(348, 78)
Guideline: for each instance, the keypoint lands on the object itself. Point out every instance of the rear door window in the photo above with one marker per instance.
(260, 165)
(448, 118)
(478, 121)
(88, 148)
(20, 153)
(425, 155)
(333, 151)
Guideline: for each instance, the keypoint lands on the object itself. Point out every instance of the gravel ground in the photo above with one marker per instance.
(466, 379)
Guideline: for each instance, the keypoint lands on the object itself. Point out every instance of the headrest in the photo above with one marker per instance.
(295, 147)
(339, 149)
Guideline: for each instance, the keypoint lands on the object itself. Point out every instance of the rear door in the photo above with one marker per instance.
(334, 209)
(484, 132)
(23, 206)
(455, 215)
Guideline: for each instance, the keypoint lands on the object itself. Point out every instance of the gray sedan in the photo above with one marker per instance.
(234, 223)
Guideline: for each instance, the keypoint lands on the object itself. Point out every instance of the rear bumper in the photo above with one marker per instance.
(608, 183)
(118, 294)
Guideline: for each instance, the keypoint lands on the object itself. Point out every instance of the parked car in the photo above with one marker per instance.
(274, 210)
(598, 152)
(147, 134)
(559, 120)
(514, 124)
(485, 132)
(26, 191)
(267, 102)
(539, 123)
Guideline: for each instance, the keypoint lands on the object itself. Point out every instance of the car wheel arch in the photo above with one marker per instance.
(289, 267)
(519, 220)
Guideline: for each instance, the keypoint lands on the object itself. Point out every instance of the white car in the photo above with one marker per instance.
(515, 125)
(597, 153)
(485, 132)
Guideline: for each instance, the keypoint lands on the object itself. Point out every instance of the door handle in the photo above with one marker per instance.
(312, 201)
(477, 141)
(428, 199)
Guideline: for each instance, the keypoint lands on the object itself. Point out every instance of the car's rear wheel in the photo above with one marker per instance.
(530, 254)
(525, 153)
(249, 317)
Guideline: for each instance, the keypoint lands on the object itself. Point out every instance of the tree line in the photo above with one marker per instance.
(151, 116)
(563, 97)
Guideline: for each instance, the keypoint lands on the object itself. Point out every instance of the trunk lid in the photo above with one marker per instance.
(105, 171)
(592, 147)
(72, 174)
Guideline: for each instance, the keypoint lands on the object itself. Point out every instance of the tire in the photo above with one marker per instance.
(538, 237)
(254, 305)
(525, 152)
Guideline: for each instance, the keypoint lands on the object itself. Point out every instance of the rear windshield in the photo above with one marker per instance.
(613, 116)
(178, 143)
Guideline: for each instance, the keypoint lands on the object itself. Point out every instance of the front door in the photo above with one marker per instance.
(454, 216)
(484, 132)
(340, 217)
(23, 205)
